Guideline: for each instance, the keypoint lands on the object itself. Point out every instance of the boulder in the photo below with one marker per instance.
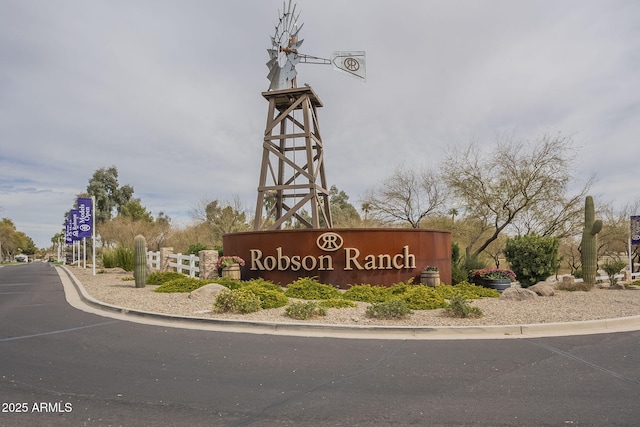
(207, 292)
(518, 294)
(543, 289)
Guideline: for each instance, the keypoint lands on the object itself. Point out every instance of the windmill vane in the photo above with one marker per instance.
(285, 54)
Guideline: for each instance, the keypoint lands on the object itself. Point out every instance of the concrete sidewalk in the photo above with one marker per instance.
(77, 297)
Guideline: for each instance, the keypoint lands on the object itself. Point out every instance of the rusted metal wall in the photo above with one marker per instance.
(341, 257)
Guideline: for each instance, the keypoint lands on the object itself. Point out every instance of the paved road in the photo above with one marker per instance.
(65, 367)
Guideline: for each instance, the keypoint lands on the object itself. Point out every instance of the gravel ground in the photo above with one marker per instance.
(109, 287)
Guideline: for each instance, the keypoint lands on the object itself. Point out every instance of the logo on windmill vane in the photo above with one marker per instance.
(351, 64)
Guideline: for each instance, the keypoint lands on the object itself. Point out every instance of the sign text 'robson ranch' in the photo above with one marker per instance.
(353, 260)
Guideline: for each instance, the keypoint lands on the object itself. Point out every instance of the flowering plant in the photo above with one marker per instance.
(228, 261)
(493, 273)
(430, 268)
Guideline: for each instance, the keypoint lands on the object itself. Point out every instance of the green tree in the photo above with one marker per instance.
(217, 219)
(533, 258)
(7, 243)
(110, 196)
(24, 243)
(134, 210)
(343, 213)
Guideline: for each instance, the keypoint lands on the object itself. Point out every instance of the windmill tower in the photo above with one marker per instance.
(293, 186)
(292, 175)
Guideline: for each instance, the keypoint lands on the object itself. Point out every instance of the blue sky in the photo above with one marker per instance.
(169, 92)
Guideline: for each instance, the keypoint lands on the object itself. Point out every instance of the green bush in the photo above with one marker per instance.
(195, 248)
(459, 272)
(229, 283)
(421, 297)
(459, 307)
(162, 277)
(366, 293)
(613, 267)
(237, 301)
(392, 309)
(467, 290)
(109, 258)
(260, 282)
(310, 288)
(121, 256)
(271, 296)
(533, 258)
(305, 310)
(400, 288)
(336, 303)
(183, 284)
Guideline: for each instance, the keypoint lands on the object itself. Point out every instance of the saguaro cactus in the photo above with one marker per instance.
(589, 244)
(140, 261)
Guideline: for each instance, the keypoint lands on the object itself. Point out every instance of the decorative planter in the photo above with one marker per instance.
(497, 284)
(232, 272)
(430, 278)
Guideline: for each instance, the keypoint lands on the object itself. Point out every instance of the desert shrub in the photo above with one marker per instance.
(260, 282)
(336, 303)
(574, 286)
(305, 310)
(127, 278)
(182, 284)
(366, 293)
(533, 258)
(399, 288)
(613, 267)
(422, 297)
(271, 296)
(162, 277)
(230, 283)
(121, 256)
(237, 301)
(392, 309)
(109, 258)
(459, 307)
(467, 290)
(310, 288)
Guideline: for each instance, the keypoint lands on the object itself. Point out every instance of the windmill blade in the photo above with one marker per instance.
(352, 63)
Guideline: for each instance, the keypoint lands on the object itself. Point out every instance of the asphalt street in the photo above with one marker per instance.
(65, 367)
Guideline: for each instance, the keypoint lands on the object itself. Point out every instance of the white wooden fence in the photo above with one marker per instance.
(185, 264)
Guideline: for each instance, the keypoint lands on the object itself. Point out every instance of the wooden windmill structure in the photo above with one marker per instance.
(292, 176)
(293, 187)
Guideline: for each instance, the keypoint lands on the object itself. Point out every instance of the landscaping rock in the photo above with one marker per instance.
(518, 294)
(543, 289)
(207, 292)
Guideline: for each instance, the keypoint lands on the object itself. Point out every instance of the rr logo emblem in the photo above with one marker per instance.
(329, 242)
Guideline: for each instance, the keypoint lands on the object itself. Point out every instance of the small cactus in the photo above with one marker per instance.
(589, 244)
(140, 261)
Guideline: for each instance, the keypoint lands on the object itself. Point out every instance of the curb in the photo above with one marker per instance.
(624, 324)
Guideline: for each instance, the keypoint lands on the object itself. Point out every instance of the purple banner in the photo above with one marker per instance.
(67, 232)
(85, 217)
(75, 229)
(635, 230)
